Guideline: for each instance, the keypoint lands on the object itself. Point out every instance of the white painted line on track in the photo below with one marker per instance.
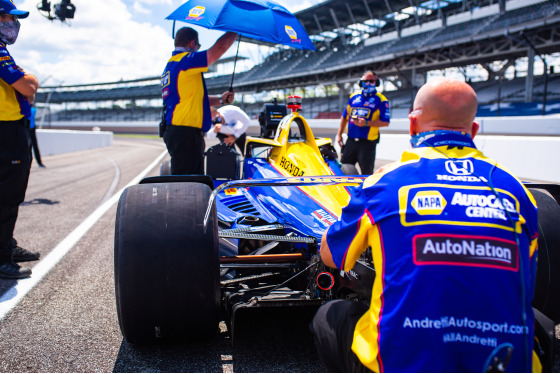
(115, 182)
(14, 295)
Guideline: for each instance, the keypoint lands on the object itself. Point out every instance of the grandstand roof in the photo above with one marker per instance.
(470, 35)
(335, 14)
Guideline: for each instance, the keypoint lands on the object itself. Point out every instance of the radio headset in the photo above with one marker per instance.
(494, 363)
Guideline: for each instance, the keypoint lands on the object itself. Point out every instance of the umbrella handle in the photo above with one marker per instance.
(235, 62)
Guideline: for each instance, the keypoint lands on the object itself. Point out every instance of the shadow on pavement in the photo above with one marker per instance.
(265, 341)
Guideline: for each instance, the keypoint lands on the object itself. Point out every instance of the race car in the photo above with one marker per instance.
(191, 251)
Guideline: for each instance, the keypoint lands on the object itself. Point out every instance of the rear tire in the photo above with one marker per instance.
(166, 264)
(547, 286)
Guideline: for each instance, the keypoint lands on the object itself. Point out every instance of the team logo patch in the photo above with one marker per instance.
(165, 80)
(428, 202)
(465, 250)
(459, 167)
(361, 112)
(444, 204)
(461, 171)
(196, 12)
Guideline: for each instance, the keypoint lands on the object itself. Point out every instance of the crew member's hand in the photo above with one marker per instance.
(227, 97)
(360, 122)
(217, 127)
(230, 140)
(339, 140)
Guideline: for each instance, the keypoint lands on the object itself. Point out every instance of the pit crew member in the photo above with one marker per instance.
(17, 88)
(364, 114)
(186, 100)
(230, 126)
(453, 237)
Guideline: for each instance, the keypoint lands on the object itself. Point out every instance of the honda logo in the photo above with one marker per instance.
(459, 167)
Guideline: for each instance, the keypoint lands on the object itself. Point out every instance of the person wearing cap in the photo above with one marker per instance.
(364, 114)
(453, 239)
(17, 90)
(230, 125)
(186, 102)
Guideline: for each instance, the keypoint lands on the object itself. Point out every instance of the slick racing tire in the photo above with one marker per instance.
(547, 286)
(167, 284)
(349, 169)
(165, 168)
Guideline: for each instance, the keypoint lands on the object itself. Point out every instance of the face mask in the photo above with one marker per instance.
(368, 89)
(9, 31)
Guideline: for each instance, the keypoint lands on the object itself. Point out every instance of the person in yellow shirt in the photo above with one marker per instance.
(17, 89)
(186, 101)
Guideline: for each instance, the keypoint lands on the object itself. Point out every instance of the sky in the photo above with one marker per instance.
(108, 40)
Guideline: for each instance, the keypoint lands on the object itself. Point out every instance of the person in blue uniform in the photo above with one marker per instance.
(186, 100)
(364, 114)
(17, 88)
(453, 236)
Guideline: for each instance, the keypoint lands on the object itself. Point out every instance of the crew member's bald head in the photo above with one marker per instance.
(444, 104)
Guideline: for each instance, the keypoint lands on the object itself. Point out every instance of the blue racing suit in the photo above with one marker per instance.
(453, 236)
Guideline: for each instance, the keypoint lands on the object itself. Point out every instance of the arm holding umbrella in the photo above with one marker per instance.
(213, 55)
(266, 21)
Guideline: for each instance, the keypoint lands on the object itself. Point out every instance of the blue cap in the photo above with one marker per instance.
(8, 6)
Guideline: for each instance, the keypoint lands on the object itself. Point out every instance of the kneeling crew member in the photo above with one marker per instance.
(453, 236)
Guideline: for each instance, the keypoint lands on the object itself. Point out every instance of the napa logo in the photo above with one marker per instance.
(196, 12)
(428, 202)
(292, 34)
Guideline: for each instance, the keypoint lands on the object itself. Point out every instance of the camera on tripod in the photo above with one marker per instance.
(62, 11)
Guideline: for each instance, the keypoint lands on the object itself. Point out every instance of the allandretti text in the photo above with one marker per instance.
(465, 322)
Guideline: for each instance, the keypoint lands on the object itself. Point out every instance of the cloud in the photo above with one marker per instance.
(139, 8)
(104, 43)
(108, 40)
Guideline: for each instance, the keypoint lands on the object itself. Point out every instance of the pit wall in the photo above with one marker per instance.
(53, 142)
(528, 146)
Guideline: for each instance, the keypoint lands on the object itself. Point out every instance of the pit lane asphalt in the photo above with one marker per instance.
(68, 322)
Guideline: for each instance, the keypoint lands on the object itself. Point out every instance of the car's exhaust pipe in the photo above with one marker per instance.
(325, 281)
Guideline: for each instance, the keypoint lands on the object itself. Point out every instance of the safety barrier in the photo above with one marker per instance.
(52, 142)
(528, 146)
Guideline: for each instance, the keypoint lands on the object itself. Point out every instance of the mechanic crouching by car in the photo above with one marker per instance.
(17, 89)
(186, 102)
(453, 238)
(229, 125)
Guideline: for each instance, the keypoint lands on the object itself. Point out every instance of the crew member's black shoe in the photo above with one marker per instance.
(10, 270)
(22, 255)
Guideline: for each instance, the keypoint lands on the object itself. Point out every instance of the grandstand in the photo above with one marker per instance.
(404, 41)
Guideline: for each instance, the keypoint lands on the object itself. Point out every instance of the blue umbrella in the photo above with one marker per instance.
(256, 19)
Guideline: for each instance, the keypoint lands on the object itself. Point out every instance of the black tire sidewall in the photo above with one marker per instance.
(166, 263)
